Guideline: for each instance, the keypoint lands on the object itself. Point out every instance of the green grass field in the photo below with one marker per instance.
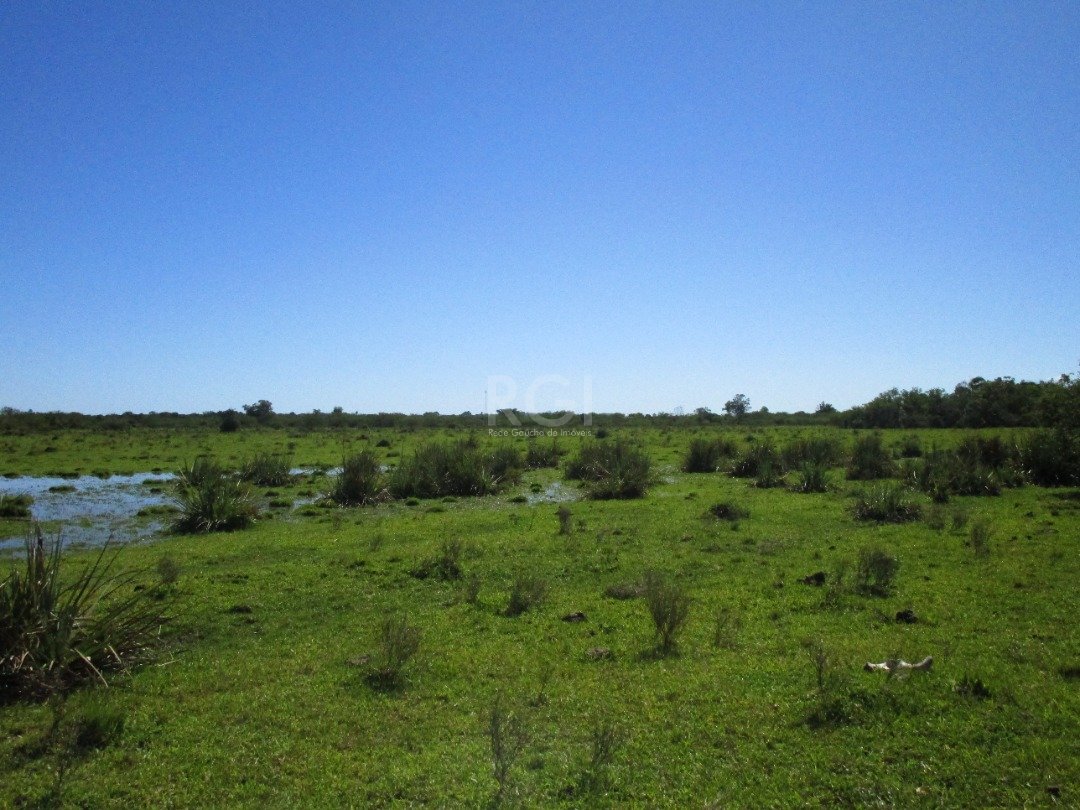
(266, 689)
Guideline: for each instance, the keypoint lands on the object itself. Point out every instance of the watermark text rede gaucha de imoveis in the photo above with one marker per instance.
(501, 396)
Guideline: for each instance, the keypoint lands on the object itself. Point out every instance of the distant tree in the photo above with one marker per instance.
(262, 411)
(825, 407)
(704, 415)
(230, 421)
(737, 407)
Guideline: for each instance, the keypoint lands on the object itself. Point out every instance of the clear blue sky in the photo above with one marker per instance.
(382, 205)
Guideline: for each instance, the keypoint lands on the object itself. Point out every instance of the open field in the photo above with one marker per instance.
(271, 688)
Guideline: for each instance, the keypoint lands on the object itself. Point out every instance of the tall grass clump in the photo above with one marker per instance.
(538, 456)
(436, 470)
(812, 477)
(875, 572)
(15, 506)
(886, 503)
(211, 499)
(941, 473)
(398, 642)
(760, 459)
(59, 629)
(610, 470)
(1051, 458)
(267, 470)
(360, 481)
(669, 608)
(869, 459)
(821, 451)
(707, 455)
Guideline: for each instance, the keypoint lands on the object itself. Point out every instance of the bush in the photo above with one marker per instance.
(821, 451)
(446, 565)
(886, 503)
(1051, 458)
(869, 459)
(761, 456)
(56, 634)
(706, 455)
(538, 456)
(212, 500)
(942, 473)
(359, 482)
(611, 470)
(726, 510)
(526, 592)
(398, 641)
(565, 517)
(812, 477)
(267, 470)
(15, 506)
(436, 470)
(980, 537)
(875, 572)
(669, 608)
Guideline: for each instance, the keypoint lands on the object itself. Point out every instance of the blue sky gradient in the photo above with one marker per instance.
(381, 206)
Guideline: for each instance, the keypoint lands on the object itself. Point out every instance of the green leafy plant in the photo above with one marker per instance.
(869, 459)
(526, 592)
(669, 608)
(875, 572)
(57, 630)
(15, 506)
(267, 470)
(886, 503)
(610, 470)
(210, 499)
(398, 642)
(360, 480)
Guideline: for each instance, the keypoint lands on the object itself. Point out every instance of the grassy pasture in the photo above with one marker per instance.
(264, 695)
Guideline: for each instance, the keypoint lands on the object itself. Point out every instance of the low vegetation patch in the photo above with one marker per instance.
(611, 470)
(211, 499)
(59, 629)
(887, 503)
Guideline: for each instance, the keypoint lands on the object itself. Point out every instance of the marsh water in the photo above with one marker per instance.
(89, 510)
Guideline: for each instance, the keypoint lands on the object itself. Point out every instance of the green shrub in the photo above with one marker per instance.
(941, 473)
(819, 450)
(760, 456)
(813, 477)
(360, 480)
(538, 456)
(398, 642)
(445, 565)
(869, 459)
(526, 593)
(1051, 458)
(15, 506)
(910, 447)
(435, 470)
(669, 608)
(611, 470)
(565, 516)
(267, 470)
(726, 510)
(212, 500)
(706, 455)
(886, 503)
(57, 631)
(875, 572)
(979, 537)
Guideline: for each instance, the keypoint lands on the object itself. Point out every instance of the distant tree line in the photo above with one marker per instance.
(978, 403)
